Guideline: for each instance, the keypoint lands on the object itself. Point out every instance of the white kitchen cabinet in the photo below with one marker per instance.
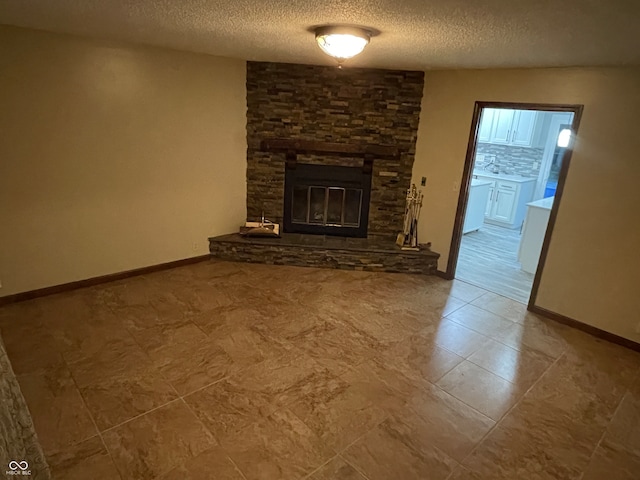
(486, 125)
(522, 128)
(504, 205)
(508, 196)
(492, 192)
(502, 126)
(509, 127)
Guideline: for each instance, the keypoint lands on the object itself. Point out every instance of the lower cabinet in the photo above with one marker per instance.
(507, 201)
(504, 205)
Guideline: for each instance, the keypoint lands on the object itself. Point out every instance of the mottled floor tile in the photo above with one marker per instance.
(429, 302)
(482, 321)
(116, 399)
(248, 347)
(157, 339)
(82, 336)
(455, 337)
(31, 350)
(600, 359)
(519, 452)
(85, 460)
(279, 447)
(58, 411)
(281, 380)
(227, 407)
(213, 464)
(612, 462)
(347, 408)
(114, 358)
(581, 390)
(386, 329)
(440, 419)
(503, 306)
(392, 450)
(535, 333)
(624, 429)
(462, 473)
(282, 366)
(520, 367)
(337, 469)
(221, 322)
(551, 433)
(191, 366)
(419, 358)
(461, 290)
(486, 392)
(338, 347)
(157, 442)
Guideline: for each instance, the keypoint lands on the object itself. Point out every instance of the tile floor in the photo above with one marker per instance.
(233, 371)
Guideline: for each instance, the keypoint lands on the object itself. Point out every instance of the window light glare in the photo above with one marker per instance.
(564, 137)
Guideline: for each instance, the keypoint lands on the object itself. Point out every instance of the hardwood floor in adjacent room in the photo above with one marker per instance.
(489, 258)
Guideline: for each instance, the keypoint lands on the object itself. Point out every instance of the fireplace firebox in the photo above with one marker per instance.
(329, 200)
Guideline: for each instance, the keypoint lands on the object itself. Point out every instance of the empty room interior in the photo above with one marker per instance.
(350, 241)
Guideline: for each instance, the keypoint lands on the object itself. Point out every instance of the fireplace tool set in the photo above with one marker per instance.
(408, 238)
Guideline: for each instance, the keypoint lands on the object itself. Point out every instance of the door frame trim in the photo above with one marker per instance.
(465, 183)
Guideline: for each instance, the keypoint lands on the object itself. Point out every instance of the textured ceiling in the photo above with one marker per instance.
(415, 34)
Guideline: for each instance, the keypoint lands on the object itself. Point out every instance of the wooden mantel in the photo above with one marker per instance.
(292, 147)
(315, 146)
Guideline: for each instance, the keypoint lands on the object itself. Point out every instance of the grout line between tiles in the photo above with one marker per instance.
(310, 474)
(355, 467)
(195, 415)
(606, 429)
(141, 415)
(99, 433)
(509, 411)
(235, 465)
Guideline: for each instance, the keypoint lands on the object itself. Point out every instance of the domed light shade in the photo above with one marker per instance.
(342, 42)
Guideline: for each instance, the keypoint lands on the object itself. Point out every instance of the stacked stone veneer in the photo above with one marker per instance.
(358, 106)
(281, 252)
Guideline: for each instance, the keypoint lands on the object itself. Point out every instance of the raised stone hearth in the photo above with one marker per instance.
(324, 251)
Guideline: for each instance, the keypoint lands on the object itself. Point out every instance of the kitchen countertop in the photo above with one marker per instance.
(545, 203)
(503, 176)
(476, 182)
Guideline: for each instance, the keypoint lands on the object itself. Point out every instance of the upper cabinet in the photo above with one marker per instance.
(502, 126)
(510, 127)
(486, 124)
(524, 122)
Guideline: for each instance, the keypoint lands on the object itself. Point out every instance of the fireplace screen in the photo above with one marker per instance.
(327, 200)
(335, 206)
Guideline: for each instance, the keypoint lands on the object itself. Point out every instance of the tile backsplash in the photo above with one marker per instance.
(511, 160)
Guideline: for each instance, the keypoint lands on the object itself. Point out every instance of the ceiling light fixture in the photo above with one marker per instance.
(342, 42)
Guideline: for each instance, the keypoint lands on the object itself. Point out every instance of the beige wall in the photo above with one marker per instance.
(113, 157)
(592, 272)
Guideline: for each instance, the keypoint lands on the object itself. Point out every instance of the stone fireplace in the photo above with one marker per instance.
(329, 156)
(356, 191)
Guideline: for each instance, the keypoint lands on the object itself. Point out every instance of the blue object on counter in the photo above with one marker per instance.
(550, 189)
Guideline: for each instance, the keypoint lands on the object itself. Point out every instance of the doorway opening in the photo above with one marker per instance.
(517, 160)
